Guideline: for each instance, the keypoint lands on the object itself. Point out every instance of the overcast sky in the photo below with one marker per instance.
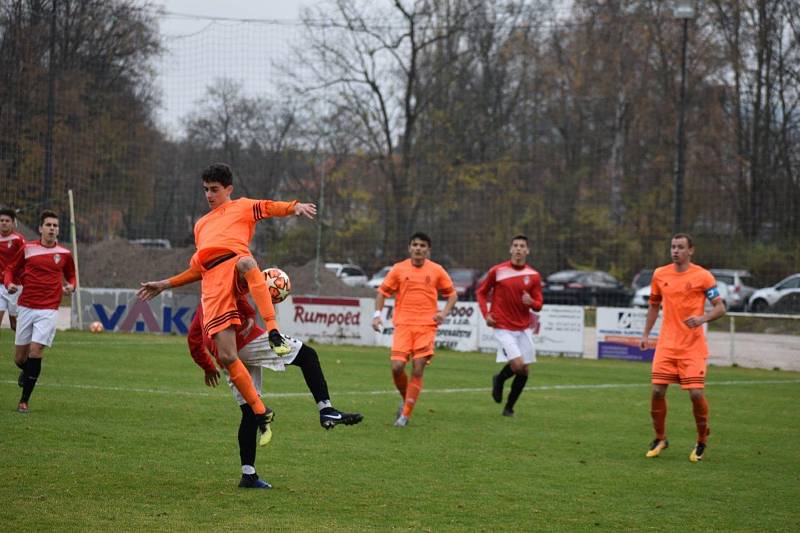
(201, 49)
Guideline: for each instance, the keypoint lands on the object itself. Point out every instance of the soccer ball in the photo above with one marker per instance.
(96, 327)
(278, 283)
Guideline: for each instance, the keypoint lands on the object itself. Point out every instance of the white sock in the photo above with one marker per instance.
(248, 469)
(323, 404)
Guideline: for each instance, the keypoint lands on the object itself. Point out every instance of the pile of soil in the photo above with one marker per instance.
(118, 264)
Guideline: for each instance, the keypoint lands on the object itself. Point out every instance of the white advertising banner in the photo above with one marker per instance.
(332, 320)
(560, 331)
(458, 332)
(619, 330)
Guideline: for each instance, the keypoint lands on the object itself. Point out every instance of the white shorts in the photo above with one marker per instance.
(514, 344)
(8, 302)
(256, 355)
(36, 325)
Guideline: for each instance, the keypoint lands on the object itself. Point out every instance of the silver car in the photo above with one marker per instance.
(740, 282)
(763, 299)
(352, 275)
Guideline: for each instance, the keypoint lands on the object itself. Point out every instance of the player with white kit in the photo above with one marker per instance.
(41, 266)
(515, 289)
(10, 244)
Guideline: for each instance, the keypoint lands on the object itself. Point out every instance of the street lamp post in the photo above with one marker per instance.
(682, 10)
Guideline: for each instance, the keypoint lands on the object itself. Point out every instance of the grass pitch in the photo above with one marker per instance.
(123, 435)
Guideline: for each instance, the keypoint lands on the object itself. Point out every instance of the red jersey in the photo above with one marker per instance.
(9, 246)
(506, 283)
(200, 345)
(41, 270)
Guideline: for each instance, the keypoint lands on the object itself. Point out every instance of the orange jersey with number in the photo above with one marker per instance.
(417, 289)
(230, 227)
(682, 295)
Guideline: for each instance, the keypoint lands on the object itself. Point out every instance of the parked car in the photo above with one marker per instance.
(162, 244)
(585, 287)
(642, 296)
(352, 275)
(741, 284)
(642, 279)
(762, 299)
(465, 280)
(377, 278)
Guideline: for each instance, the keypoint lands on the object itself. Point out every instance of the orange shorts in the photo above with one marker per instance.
(218, 294)
(690, 372)
(412, 342)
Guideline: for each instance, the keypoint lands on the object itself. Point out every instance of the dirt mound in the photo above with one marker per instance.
(118, 264)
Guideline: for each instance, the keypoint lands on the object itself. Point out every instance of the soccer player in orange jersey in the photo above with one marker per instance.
(681, 289)
(417, 281)
(222, 238)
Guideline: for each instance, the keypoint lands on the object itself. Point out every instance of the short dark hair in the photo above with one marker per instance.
(47, 213)
(519, 237)
(421, 236)
(219, 173)
(684, 236)
(7, 211)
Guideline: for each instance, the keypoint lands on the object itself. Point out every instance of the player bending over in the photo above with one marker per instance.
(222, 238)
(255, 352)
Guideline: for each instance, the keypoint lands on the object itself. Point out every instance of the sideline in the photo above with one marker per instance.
(305, 394)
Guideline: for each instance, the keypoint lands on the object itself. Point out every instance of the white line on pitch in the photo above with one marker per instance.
(392, 391)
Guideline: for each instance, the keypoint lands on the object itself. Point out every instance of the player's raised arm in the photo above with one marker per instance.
(150, 289)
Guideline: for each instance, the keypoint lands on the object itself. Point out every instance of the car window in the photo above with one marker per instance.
(461, 275)
(644, 278)
(351, 271)
(561, 277)
(790, 284)
(725, 278)
(747, 280)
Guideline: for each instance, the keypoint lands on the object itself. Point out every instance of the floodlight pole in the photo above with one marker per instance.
(684, 11)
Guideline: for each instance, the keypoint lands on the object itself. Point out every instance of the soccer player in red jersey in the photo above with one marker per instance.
(515, 289)
(42, 267)
(10, 244)
(681, 289)
(255, 352)
(417, 281)
(222, 238)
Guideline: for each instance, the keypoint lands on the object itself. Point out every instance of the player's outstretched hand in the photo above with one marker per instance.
(150, 289)
(306, 210)
(377, 324)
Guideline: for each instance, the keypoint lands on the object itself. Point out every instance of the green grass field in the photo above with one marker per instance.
(123, 435)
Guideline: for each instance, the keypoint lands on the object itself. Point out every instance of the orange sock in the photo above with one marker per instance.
(258, 289)
(401, 382)
(414, 388)
(244, 384)
(658, 411)
(700, 410)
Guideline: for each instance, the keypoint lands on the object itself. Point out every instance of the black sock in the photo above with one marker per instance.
(308, 361)
(33, 367)
(505, 373)
(516, 389)
(248, 431)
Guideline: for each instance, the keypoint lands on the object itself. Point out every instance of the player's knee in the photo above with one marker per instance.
(695, 394)
(246, 263)
(227, 358)
(659, 392)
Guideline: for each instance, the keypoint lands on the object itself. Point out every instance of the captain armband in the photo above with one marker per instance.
(712, 293)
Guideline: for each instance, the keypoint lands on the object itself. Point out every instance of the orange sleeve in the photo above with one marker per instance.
(445, 284)
(655, 292)
(390, 283)
(184, 278)
(269, 208)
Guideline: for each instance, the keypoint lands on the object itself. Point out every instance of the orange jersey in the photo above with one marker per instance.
(230, 227)
(682, 295)
(417, 289)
